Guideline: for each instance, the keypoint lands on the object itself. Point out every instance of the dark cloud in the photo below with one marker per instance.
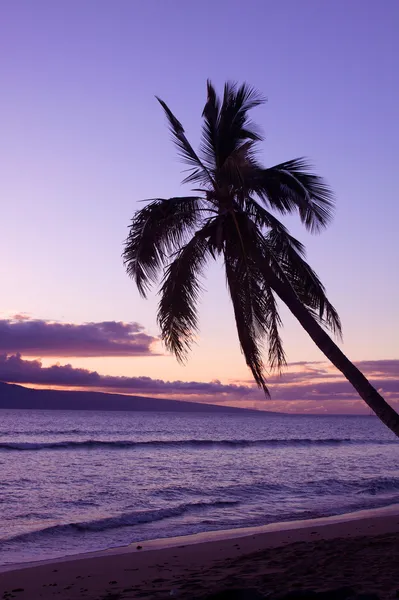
(13, 369)
(33, 337)
(310, 391)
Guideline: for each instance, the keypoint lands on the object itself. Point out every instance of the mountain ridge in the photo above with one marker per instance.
(13, 396)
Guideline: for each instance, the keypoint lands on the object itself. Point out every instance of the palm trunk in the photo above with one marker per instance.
(372, 398)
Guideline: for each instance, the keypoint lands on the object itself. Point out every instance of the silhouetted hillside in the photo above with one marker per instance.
(16, 396)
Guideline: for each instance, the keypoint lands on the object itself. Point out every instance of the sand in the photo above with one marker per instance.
(360, 550)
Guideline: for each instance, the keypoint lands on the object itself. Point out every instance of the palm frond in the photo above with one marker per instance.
(276, 354)
(302, 278)
(246, 288)
(232, 175)
(242, 297)
(234, 126)
(266, 220)
(156, 231)
(289, 187)
(180, 289)
(198, 171)
(210, 114)
(250, 257)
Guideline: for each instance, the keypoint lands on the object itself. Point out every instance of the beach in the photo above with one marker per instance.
(360, 550)
(158, 505)
(199, 359)
(119, 478)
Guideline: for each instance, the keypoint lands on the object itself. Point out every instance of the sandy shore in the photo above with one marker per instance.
(360, 550)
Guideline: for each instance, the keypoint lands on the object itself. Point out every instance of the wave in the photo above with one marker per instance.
(379, 486)
(46, 432)
(244, 492)
(123, 520)
(241, 492)
(268, 443)
(366, 486)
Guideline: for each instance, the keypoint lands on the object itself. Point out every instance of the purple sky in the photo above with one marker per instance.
(83, 139)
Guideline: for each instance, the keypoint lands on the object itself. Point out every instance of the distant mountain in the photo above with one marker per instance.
(16, 396)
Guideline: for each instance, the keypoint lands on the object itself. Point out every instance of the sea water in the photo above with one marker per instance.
(73, 482)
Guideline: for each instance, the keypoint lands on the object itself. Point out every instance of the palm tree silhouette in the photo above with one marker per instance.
(230, 217)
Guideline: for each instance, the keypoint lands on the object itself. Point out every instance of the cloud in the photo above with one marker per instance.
(330, 390)
(14, 369)
(302, 375)
(379, 368)
(300, 391)
(34, 337)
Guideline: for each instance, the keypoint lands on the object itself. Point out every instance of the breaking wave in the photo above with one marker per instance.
(267, 443)
(128, 519)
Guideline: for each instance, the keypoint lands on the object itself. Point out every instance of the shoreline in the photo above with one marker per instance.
(213, 536)
(165, 564)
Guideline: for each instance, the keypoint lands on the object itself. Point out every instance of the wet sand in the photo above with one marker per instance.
(360, 550)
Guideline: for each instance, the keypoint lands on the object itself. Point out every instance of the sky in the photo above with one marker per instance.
(83, 140)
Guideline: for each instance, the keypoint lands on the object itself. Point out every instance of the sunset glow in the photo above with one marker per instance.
(82, 138)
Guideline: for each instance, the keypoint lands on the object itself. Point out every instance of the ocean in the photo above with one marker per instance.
(73, 482)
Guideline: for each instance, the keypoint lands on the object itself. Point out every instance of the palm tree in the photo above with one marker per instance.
(230, 217)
